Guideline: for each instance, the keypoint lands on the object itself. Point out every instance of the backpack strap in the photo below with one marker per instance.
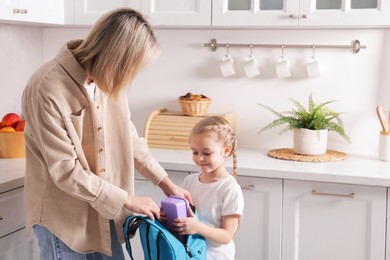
(130, 228)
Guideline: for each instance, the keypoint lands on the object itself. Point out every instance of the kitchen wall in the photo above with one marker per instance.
(358, 81)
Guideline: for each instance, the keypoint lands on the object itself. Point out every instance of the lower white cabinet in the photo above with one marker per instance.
(259, 234)
(14, 244)
(325, 221)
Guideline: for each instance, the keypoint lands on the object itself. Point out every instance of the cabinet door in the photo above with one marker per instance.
(344, 13)
(144, 187)
(259, 234)
(86, 12)
(7, 10)
(332, 221)
(43, 11)
(177, 12)
(11, 211)
(256, 13)
(17, 246)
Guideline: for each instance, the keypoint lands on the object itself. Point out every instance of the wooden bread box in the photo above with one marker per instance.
(171, 130)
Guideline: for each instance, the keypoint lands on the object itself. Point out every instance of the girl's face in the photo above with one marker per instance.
(208, 152)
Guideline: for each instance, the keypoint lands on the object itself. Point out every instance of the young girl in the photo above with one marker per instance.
(216, 194)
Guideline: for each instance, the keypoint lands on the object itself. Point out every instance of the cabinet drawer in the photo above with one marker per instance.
(11, 211)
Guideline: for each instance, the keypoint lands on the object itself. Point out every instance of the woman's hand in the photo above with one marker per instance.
(163, 216)
(169, 188)
(142, 205)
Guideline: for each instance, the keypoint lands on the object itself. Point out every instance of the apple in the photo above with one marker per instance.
(10, 119)
(20, 125)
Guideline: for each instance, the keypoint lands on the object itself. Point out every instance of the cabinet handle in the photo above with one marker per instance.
(141, 179)
(293, 16)
(1, 218)
(304, 16)
(248, 187)
(350, 195)
(16, 10)
(23, 11)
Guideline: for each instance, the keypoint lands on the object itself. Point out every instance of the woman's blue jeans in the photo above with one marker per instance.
(51, 247)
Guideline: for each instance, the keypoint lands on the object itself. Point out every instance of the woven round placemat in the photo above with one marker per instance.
(288, 154)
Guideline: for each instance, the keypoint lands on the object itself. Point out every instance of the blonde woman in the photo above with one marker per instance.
(82, 147)
(215, 192)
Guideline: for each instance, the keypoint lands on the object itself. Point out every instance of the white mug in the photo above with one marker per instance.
(384, 146)
(313, 69)
(282, 68)
(227, 66)
(252, 67)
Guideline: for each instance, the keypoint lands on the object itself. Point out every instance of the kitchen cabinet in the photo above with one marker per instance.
(86, 12)
(259, 234)
(325, 221)
(143, 187)
(159, 12)
(42, 11)
(177, 12)
(388, 226)
(13, 241)
(300, 13)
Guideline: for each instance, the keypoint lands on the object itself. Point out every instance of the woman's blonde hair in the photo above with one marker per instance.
(223, 129)
(118, 46)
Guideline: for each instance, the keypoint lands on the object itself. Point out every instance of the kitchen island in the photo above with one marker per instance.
(342, 204)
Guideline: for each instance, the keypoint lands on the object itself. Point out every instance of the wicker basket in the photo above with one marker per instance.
(194, 107)
(12, 145)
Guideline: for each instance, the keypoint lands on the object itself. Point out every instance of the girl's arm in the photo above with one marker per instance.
(222, 235)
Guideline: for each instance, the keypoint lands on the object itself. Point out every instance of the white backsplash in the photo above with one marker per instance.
(358, 81)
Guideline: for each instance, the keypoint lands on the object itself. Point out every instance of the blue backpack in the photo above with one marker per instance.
(158, 242)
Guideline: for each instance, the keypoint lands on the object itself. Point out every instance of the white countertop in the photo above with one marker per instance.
(355, 169)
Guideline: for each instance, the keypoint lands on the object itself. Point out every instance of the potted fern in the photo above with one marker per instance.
(310, 125)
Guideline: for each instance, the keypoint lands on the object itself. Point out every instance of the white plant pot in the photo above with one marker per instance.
(310, 142)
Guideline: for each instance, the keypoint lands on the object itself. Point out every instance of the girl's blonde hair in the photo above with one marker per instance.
(223, 129)
(118, 46)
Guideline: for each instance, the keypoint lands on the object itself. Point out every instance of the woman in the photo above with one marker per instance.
(81, 145)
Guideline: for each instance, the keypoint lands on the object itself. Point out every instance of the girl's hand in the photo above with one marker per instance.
(186, 226)
(142, 205)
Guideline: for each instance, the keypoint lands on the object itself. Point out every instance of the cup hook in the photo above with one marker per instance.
(282, 51)
(314, 51)
(227, 49)
(251, 50)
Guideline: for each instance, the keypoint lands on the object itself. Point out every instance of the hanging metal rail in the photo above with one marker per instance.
(355, 46)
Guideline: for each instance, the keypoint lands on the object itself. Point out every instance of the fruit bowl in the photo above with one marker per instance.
(12, 145)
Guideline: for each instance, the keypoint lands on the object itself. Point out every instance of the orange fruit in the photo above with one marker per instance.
(7, 129)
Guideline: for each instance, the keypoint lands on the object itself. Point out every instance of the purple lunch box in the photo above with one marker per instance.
(174, 207)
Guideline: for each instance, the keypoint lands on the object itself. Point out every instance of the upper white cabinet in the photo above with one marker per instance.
(42, 11)
(293, 13)
(325, 221)
(86, 12)
(177, 12)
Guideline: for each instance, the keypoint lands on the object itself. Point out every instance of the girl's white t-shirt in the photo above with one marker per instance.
(212, 201)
